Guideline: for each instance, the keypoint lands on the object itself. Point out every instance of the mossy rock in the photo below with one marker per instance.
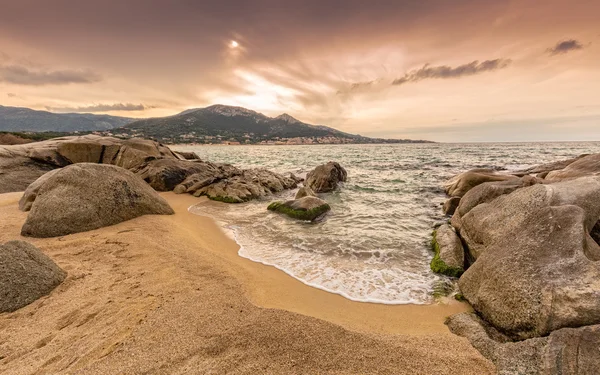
(437, 265)
(306, 208)
(225, 199)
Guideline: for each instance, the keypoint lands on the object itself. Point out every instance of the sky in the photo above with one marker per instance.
(460, 70)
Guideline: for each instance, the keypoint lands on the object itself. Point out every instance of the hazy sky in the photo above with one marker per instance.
(460, 70)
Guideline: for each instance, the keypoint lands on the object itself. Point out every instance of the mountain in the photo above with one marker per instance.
(239, 124)
(25, 119)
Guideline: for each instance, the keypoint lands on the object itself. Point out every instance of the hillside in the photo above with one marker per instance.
(25, 119)
(219, 123)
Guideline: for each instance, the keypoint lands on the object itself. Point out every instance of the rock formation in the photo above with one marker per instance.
(326, 177)
(87, 196)
(26, 274)
(532, 270)
(449, 258)
(155, 163)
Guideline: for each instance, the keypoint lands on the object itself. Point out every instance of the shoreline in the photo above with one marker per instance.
(270, 287)
(170, 294)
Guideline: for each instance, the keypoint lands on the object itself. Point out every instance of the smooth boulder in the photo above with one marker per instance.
(536, 267)
(26, 274)
(588, 165)
(306, 208)
(85, 196)
(326, 177)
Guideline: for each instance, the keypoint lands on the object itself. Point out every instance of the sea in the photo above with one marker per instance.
(374, 245)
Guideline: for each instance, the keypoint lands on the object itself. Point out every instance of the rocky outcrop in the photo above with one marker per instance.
(88, 196)
(306, 208)
(450, 205)
(155, 163)
(564, 351)
(536, 267)
(26, 274)
(326, 177)
(449, 255)
(226, 183)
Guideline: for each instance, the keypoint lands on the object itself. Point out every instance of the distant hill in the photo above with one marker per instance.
(25, 119)
(237, 124)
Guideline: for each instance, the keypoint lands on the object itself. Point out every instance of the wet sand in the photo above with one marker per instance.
(169, 294)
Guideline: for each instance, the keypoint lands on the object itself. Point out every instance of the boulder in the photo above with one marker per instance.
(487, 192)
(26, 274)
(542, 170)
(307, 208)
(449, 258)
(85, 196)
(588, 165)
(326, 177)
(564, 351)
(305, 191)
(536, 267)
(17, 172)
(460, 184)
(32, 190)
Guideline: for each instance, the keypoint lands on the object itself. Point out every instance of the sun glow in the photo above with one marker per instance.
(233, 44)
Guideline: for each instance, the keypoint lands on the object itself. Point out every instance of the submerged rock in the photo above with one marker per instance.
(306, 208)
(536, 267)
(449, 253)
(87, 196)
(26, 274)
(326, 177)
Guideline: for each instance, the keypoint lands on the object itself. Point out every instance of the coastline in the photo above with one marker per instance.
(170, 294)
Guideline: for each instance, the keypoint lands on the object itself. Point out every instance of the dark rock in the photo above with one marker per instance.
(305, 192)
(85, 196)
(166, 174)
(186, 155)
(26, 274)
(326, 177)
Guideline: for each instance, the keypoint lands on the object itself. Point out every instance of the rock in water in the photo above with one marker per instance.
(449, 258)
(26, 274)
(450, 205)
(537, 266)
(326, 177)
(85, 196)
(306, 208)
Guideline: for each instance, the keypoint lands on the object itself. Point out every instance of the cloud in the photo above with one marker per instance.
(103, 108)
(20, 75)
(356, 86)
(11, 95)
(445, 72)
(564, 47)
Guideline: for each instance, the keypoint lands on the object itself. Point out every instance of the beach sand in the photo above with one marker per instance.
(170, 295)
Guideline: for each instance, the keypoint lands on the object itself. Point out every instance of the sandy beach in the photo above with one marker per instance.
(169, 294)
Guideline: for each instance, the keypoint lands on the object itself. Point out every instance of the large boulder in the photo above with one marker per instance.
(305, 191)
(542, 170)
(460, 184)
(449, 255)
(564, 352)
(326, 177)
(536, 267)
(85, 196)
(306, 208)
(26, 274)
